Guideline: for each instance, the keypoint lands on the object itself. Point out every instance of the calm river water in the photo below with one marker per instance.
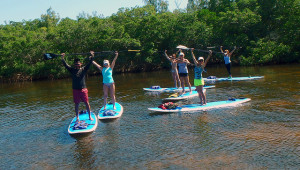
(261, 134)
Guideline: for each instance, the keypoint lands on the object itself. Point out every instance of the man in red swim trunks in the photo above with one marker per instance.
(80, 92)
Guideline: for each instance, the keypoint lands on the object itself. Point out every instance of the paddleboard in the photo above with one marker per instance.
(198, 107)
(172, 89)
(184, 96)
(109, 112)
(85, 121)
(213, 78)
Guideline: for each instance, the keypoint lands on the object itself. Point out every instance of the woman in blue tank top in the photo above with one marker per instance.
(227, 56)
(183, 71)
(108, 81)
(198, 81)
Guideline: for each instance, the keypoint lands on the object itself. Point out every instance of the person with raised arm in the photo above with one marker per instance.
(200, 65)
(175, 75)
(227, 56)
(108, 81)
(183, 71)
(80, 91)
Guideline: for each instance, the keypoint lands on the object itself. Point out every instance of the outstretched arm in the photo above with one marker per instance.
(221, 48)
(206, 61)
(94, 62)
(91, 58)
(67, 66)
(194, 59)
(166, 55)
(232, 51)
(114, 61)
(97, 65)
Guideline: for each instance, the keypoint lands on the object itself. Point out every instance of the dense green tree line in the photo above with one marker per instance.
(267, 31)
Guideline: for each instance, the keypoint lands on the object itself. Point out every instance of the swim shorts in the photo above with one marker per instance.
(183, 74)
(80, 95)
(198, 82)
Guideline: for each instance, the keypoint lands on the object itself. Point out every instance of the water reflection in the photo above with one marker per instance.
(84, 152)
(260, 134)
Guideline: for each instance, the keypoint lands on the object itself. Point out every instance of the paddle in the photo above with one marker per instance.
(50, 56)
(186, 48)
(182, 47)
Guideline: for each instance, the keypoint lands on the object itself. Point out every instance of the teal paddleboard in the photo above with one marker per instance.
(198, 107)
(109, 112)
(86, 125)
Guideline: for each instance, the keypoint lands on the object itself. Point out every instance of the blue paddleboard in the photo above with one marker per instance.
(109, 112)
(213, 78)
(197, 107)
(172, 89)
(86, 125)
(187, 95)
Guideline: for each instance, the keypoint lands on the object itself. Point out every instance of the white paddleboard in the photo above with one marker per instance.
(109, 112)
(184, 96)
(84, 118)
(172, 89)
(213, 78)
(198, 107)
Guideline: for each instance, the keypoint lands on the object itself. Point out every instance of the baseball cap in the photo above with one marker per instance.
(105, 62)
(201, 58)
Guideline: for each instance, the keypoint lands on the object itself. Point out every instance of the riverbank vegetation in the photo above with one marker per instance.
(265, 32)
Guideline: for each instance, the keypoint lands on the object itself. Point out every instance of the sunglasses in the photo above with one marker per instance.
(201, 60)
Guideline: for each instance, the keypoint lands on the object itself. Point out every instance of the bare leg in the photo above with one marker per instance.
(112, 95)
(174, 78)
(203, 96)
(88, 108)
(76, 112)
(198, 88)
(188, 82)
(182, 84)
(177, 79)
(105, 94)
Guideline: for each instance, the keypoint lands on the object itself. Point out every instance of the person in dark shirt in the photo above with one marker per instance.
(80, 92)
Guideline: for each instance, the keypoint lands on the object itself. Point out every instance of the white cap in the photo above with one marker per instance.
(201, 58)
(181, 53)
(105, 62)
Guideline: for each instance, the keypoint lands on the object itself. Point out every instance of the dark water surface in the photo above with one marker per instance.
(261, 134)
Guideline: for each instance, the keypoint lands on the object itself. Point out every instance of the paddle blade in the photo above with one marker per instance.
(182, 47)
(49, 56)
(135, 50)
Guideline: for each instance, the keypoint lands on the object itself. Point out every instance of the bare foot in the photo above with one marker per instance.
(91, 119)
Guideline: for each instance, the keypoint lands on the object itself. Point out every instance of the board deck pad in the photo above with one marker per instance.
(109, 107)
(198, 107)
(173, 89)
(184, 96)
(92, 125)
(234, 78)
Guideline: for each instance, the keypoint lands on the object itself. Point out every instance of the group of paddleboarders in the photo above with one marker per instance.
(181, 63)
(80, 91)
(180, 76)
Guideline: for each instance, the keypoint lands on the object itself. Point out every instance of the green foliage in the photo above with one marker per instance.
(267, 30)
